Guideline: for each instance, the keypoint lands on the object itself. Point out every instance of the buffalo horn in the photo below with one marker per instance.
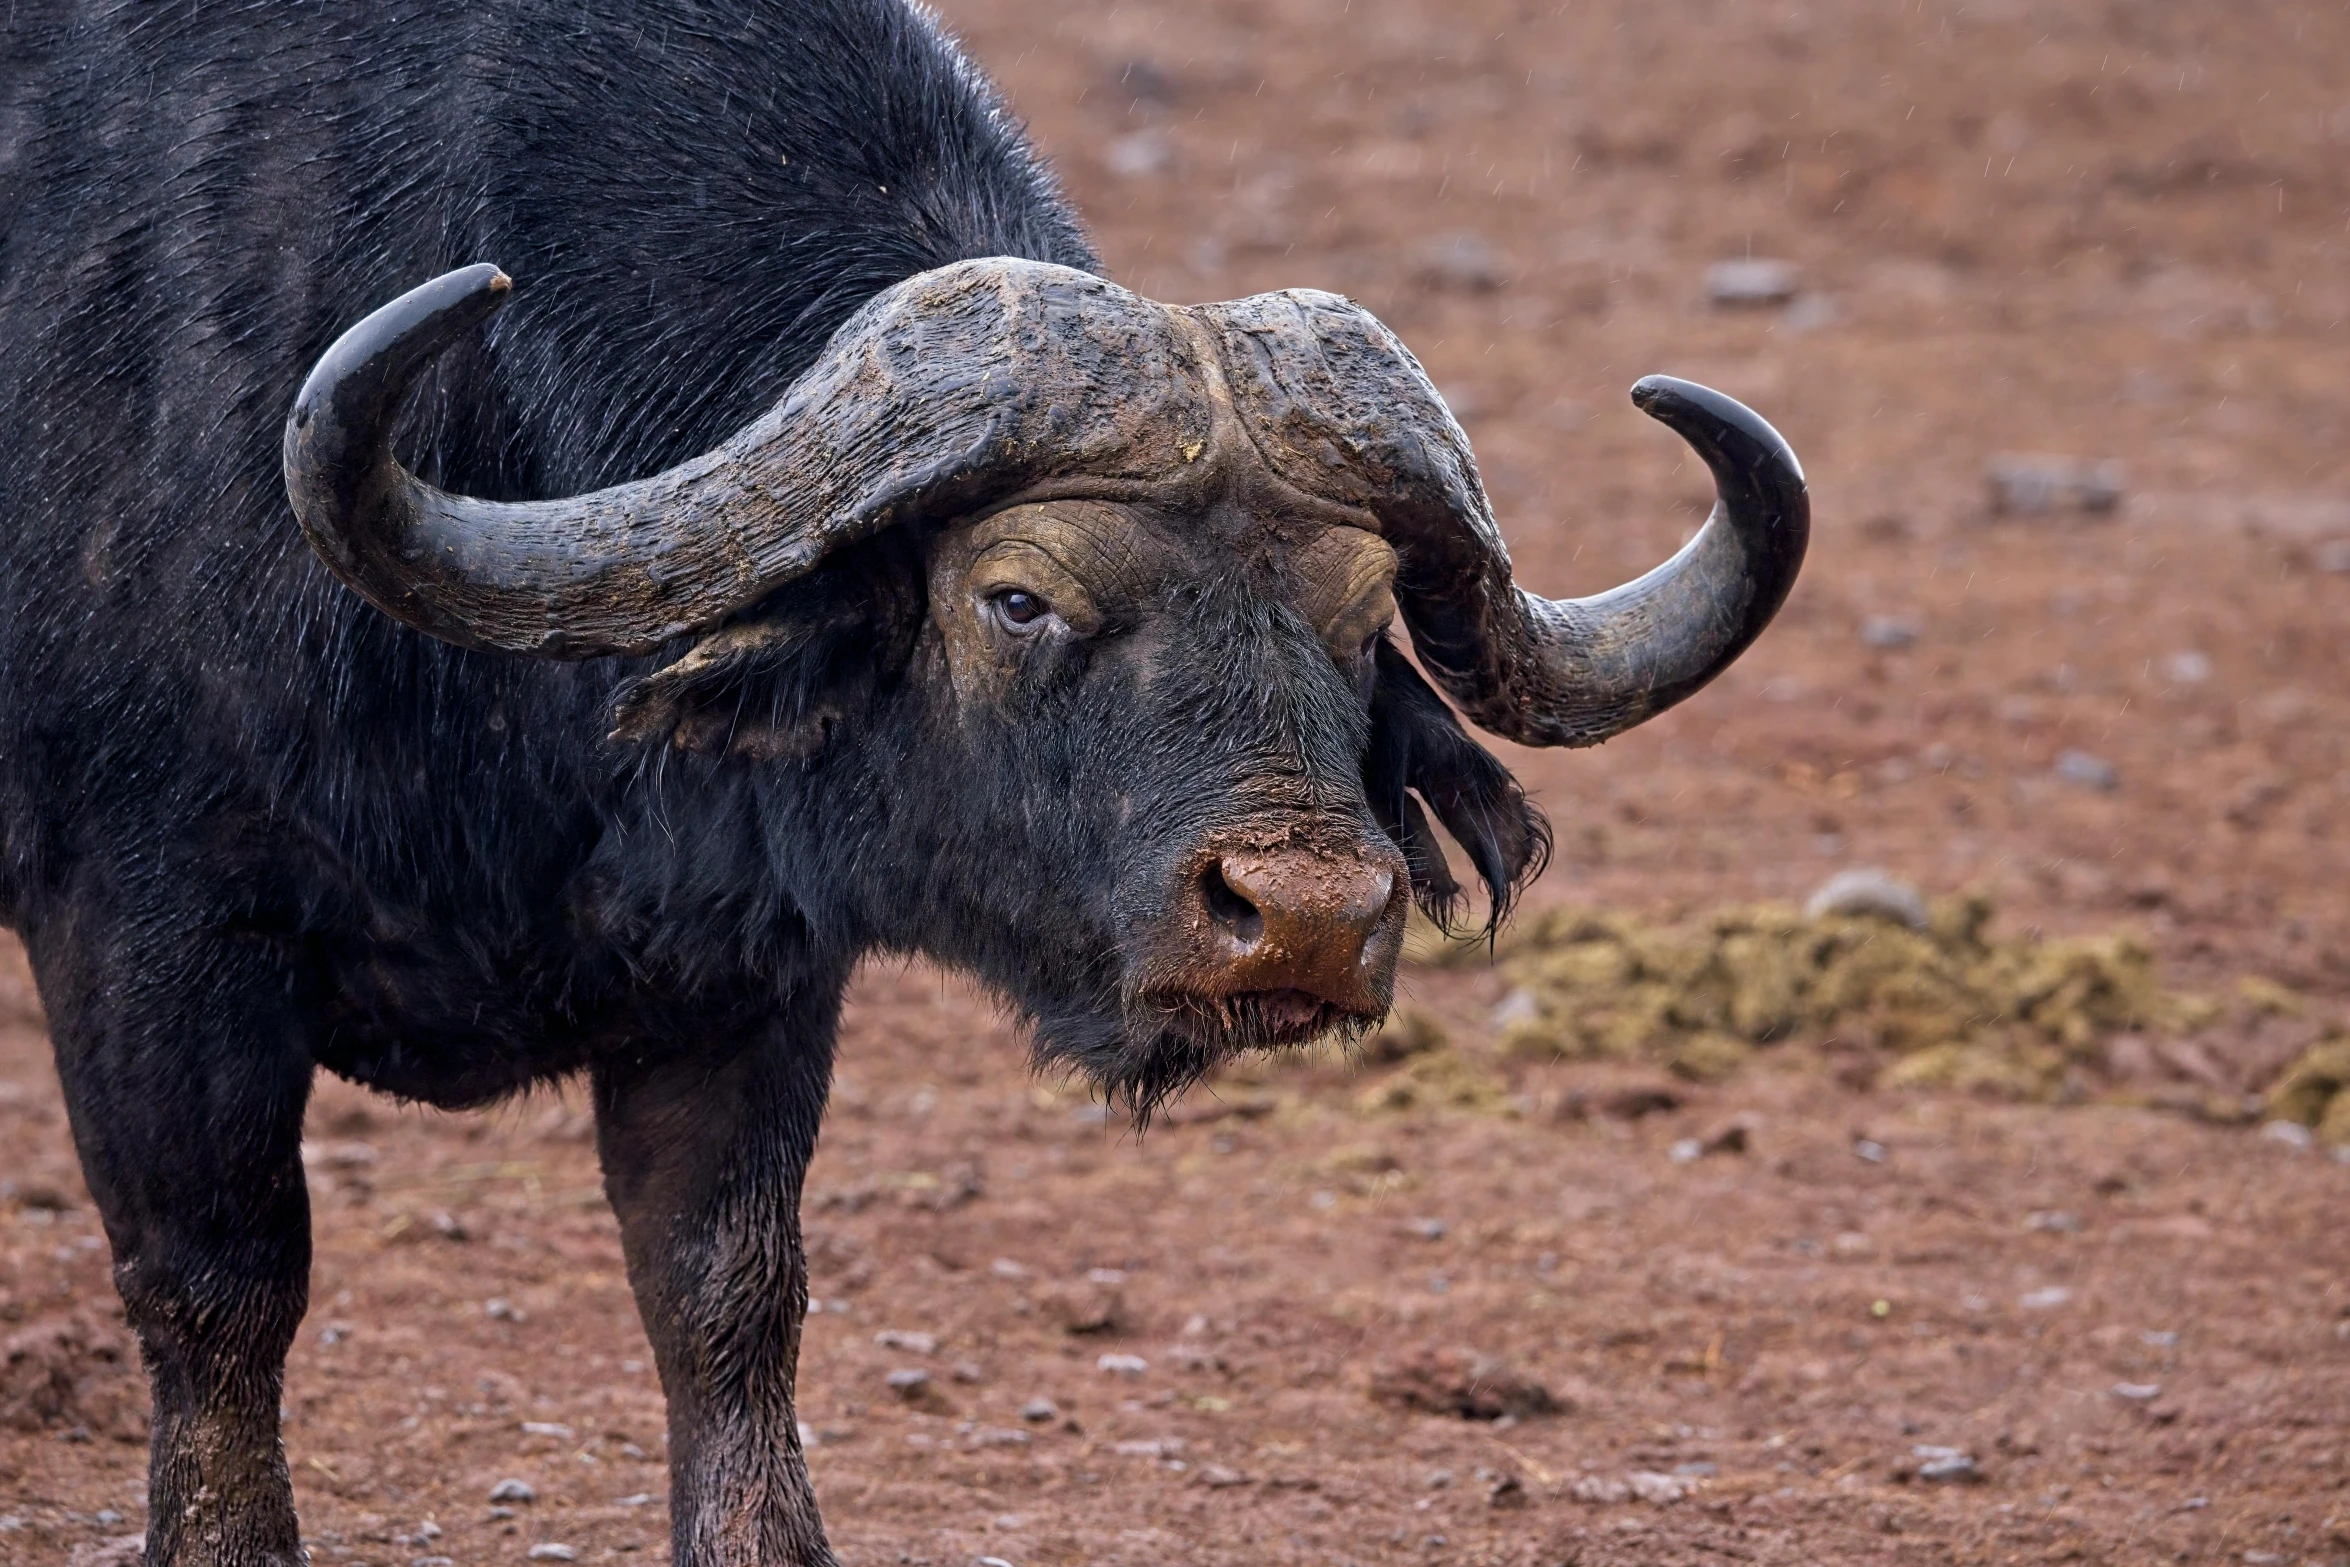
(1340, 409)
(944, 394)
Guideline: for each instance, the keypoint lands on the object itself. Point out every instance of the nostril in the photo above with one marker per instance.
(1228, 908)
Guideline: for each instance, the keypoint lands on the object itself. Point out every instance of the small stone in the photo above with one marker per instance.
(2047, 1299)
(1600, 1490)
(1123, 1365)
(1041, 1411)
(1439, 1479)
(37, 1196)
(1869, 1149)
(2187, 668)
(1195, 1357)
(1167, 1448)
(999, 1436)
(1657, 1489)
(1139, 155)
(1888, 631)
(513, 1491)
(911, 1343)
(1749, 284)
(1686, 1151)
(1217, 1477)
(2023, 485)
(2137, 1392)
(2090, 772)
(2292, 1134)
(555, 1429)
(909, 1384)
(636, 1499)
(338, 1156)
(1006, 1268)
(1508, 1492)
(1426, 1229)
(1086, 1306)
(1699, 1470)
(1866, 890)
(1946, 1466)
(549, 1552)
(968, 1371)
(502, 1310)
(2054, 1221)
(1521, 1005)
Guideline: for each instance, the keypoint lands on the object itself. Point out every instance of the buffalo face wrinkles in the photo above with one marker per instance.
(1165, 718)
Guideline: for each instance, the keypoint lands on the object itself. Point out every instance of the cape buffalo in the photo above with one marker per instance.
(974, 608)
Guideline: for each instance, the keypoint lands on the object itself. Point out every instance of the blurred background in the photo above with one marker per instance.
(1900, 1127)
(1920, 239)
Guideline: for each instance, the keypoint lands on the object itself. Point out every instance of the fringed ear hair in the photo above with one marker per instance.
(1419, 749)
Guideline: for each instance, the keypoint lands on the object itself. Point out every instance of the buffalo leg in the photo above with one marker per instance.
(704, 1154)
(185, 1077)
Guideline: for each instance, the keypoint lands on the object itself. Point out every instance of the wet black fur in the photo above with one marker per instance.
(248, 826)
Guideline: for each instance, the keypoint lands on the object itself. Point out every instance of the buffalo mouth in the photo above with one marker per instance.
(1243, 1021)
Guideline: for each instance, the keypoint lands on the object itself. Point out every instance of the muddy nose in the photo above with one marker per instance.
(1302, 929)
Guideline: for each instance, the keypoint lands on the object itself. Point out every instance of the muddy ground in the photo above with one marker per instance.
(2107, 231)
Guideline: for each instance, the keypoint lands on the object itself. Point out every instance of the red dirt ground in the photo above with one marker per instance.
(2114, 231)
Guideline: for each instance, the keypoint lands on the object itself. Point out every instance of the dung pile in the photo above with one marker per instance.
(1953, 1004)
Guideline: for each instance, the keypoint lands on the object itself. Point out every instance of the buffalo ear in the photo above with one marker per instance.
(705, 702)
(1419, 749)
(773, 687)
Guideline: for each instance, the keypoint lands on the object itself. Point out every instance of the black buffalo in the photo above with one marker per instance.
(973, 607)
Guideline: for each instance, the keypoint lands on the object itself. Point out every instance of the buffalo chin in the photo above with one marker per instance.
(1157, 1046)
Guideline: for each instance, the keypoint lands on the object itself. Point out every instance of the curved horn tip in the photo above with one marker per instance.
(392, 343)
(371, 364)
(1679, 404)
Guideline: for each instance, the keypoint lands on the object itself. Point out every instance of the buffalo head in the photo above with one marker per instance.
(1124, 577)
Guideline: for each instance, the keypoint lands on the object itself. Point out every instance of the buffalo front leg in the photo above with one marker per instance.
(185, 1077)
(704, 1155)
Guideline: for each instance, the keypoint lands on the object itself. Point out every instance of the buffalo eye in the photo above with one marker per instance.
(1020, 610)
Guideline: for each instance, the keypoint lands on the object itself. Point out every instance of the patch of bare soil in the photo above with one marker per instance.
(1592, 1318)
(1471, 1303)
